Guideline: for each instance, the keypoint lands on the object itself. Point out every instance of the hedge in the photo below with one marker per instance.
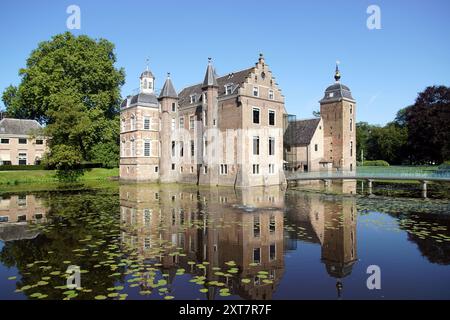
(8, 167)
(375, 163)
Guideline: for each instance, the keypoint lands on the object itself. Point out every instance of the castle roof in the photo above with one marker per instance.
(18, 126)
(300, 132)
(141, 99)
(168, 90)
(336, 92)
(236, 79)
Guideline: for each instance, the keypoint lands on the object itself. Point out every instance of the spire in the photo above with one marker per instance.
(337, 74)
(210, 76)
(168, 90)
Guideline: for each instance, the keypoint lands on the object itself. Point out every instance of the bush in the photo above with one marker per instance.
(375, 163)
(10, 167)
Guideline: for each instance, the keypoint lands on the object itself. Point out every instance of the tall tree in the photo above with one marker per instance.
(428, 125)
(71, 84)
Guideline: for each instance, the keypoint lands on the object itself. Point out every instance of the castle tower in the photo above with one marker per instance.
(338, 112)
(168, 100)
(139, 133)
(210, 90)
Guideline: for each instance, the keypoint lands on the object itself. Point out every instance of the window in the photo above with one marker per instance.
(228, 89)
(156, 169)
(133, 123)
(256, 145)
(272, 224)
(192, 148)
(146, 123)
(181, 124)
(271, 95)
(4, 141)
(39, 141)
(351, 109)
(351, 148)
(205, 169)
(256, 169)
(257, 255)
(173, 166)
(256, 226)
(181, 149)
(192, 169)
(147, 148)
(4, 218)
(272, 252)
(256, 115)
(316, 147)
(271, 169)
(147, 216)
(351, 124)
(22, 158)
(191, 122)
(288, 149)
(193, 98)
(271, 117)
(174, 107)
(173, 148)
(22, 141)
(271, 146)
(255, 91)
(223, 169)
(172, 124)
(133, 148)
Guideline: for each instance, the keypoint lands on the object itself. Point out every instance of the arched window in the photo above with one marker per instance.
(351, 124)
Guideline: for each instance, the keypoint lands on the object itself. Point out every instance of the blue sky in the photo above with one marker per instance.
(301, 40)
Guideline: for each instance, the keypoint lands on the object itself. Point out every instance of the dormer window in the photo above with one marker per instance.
(193, 98)
(228, 89)
(255, 91)
(271, 95)
(331, 95)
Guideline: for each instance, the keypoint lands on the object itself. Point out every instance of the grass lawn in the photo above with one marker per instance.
(10, 178)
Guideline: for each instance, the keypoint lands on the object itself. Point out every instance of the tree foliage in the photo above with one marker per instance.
(71, 85)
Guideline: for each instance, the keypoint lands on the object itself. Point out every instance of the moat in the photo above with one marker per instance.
(184, 242)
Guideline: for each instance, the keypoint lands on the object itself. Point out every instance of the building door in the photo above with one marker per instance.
(22, 158)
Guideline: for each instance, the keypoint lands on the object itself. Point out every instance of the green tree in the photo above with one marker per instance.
(71, 84)
(428, 125)
(388, 143)
(363, 131)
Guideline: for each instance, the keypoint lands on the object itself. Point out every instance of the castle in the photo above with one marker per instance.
(230, 131)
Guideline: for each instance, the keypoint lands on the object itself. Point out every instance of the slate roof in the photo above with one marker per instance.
(18, 126)
(141, 99)
(336, 92)
(300, 132)
(234, 78)
(148, 74)
(210, 77)
(168, 90)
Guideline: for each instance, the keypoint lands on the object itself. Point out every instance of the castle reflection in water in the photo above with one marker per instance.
(253, 227)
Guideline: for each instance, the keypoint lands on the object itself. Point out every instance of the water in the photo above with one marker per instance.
(182, 242)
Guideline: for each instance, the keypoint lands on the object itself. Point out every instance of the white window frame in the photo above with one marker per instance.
(274, 146)
(149, 142)
(181, 122)
(255, 91)
(274, 117)
(223, 169)
(255, 166)
(259, 118)
(192, 123)
(149, 123)
(271, 168)
(228, 87)
(193, 98)
(271, 95)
